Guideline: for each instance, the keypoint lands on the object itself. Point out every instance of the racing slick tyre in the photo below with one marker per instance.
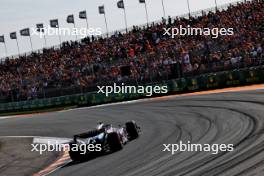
(114, 142)
(76, 155)
(132, 130)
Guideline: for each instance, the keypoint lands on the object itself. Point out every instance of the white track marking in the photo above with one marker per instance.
(51, 140)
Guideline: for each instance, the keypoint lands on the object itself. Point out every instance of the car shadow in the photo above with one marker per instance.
(72, 163)
(90, 158)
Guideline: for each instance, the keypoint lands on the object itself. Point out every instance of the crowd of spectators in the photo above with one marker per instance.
(149, 54)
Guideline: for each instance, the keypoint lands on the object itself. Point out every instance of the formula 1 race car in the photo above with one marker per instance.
(104, 139)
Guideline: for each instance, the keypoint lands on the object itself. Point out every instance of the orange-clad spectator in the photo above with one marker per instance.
(91, 61)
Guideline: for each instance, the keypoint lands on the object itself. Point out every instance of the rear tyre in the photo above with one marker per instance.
(76, 154)
(132, 130)
(114, 142)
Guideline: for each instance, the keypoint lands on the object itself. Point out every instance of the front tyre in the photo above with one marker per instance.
(132, 130)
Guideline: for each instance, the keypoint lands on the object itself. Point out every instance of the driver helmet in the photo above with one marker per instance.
(100, 126)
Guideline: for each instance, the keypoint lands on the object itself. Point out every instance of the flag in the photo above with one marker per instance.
(82, 15)
(142, 1)
(13, 35)
(2, 39)
(120, 4)
(40, 27)
(70, 19)
(25, 32)
(54, 23)
(101, 10)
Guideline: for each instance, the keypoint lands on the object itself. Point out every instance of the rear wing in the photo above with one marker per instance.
(88, 134)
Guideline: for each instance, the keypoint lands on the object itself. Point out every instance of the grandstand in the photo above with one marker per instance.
(143, 55)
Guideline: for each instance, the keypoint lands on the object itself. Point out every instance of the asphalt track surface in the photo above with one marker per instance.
(234, 118)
